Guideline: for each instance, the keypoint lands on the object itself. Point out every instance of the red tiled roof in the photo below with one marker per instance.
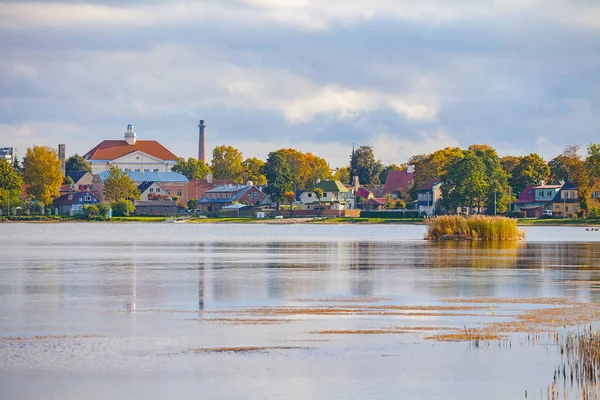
(376, 201)
(113, 149)
(527, 195)
(397, 179)
(362, 192)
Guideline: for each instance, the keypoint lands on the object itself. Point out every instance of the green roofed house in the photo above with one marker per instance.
(336, 196)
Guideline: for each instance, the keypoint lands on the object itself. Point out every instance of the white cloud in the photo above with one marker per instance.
(398, 149)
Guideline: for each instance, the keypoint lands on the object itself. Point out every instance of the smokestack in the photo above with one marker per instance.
(62, 158)
(201, 141)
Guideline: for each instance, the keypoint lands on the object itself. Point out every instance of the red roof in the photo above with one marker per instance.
(362, 192)
(397, 179)
(527, 195)
(113, 149)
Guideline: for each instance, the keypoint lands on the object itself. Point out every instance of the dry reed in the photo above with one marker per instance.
(476, 227)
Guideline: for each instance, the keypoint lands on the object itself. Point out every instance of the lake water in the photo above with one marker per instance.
(127, 311)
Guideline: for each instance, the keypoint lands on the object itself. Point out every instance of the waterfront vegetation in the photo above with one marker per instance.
(477, 227)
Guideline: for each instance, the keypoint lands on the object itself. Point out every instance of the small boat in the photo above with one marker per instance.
(176, 220)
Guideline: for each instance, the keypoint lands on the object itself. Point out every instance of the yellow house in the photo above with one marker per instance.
(566, 201)
(594, 199)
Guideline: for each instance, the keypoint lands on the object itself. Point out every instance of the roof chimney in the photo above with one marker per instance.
(130, 135)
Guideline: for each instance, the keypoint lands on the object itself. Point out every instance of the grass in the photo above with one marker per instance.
(477, 227)
(558, 221)
(349, 220)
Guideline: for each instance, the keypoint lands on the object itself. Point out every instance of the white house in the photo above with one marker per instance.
(130, 155)
(335, 197)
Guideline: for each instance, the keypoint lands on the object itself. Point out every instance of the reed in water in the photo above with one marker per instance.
(477, 227)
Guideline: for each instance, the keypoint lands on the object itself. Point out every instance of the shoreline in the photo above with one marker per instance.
(287, 221)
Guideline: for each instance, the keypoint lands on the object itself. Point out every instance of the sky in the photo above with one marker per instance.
(406, 77)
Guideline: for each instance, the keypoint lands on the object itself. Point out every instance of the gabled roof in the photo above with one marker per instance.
(227, 189)
(64, 199)
(149, 176)
(76, 175)
(527, 195)
(109, 150)
(429, 185)
(144, 186)
(239, 193)
(567, 186)
(397, 179)
(331, 186)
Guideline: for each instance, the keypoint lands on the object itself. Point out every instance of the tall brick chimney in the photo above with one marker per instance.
(201, 141)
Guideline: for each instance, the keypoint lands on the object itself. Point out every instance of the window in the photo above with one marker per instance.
(249, 195)
(127, 169)
(595, 195)
(310, 195)
(178, 192)
(324, 194)
(575, 208)
(256, 195)
(137, 170)
(157, 190)
(541, 193)
(549, 193)
(151, 190)
(566, 208)
(146, 170)
(168, 191)
(556, 206)
(155, 169)
(573, 194)
(88, 198)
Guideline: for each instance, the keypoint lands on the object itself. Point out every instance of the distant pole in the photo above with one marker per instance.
(494, 202)
(564, 205)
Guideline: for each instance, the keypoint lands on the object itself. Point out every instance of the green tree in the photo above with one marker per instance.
(42, 173)
(290, 197)
(18, 167)
(559, 171)
(278, 176)
(593, 162)
(389, 201)
(386, 170)
(319, 193)
(191, 204)
(68, 180)
(364, 165)
(192, 168)
(578, 173)
(10, 185)
(118, 185)
(432, 166)
(509, 163)
(464, 183)
(77, 163)
(498, 193)
(342, 174)
(530, 170)
(253, 168)
(227, 163)
(298, 165)
(123, 208)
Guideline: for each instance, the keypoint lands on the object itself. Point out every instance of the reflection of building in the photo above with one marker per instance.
(131, 154)
(9, 154)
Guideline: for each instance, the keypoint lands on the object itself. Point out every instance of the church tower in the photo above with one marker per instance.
(130, 135)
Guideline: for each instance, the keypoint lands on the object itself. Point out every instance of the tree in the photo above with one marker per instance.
(342, 174)
(42, 173)
(389, 201)
(319, 193)
(77, 163)
(279, 177)
(192, 168)
(18, 167)
(593, 162)
(497, 197)
(10, 185)
(530, 170)
(118, 185)
(464, 183)
(318, 168)
(253, 171)
(298, 165)
(509, 163)
(400, 204)
(432, 166)
(123, 207)
(578, 173)
(364, 165)
(68, 180)
(227, 163)
(386, 170)
(559, 170)
(290, 197)
(191, 204)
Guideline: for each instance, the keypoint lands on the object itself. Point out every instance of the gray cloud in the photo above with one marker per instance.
(406, 78)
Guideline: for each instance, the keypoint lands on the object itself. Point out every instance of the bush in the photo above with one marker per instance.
(594, 213)
(103, 210)
(123, 207)
(191, 204)
(516, 214)
(477, 227)
(91, 212)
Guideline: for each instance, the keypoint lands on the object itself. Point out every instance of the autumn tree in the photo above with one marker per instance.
(253, 168)
(290, 197)
(298, 166)
(77, 163)
(509, 163)
(577, 172)
(10, 185)
(593, 162)
(364, 165)
(432, 166)
(118, 185)
(41, 171)
(342, 174)
(530, 170)
(559, 171)
(318, 168)
(279, 177)
(192, 168)
(227, 163)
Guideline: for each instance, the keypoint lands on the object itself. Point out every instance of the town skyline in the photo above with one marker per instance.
(404, 78)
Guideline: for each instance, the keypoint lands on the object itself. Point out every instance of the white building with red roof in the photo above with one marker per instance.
(130, 155)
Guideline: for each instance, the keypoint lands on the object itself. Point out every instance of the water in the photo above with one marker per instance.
(103, 311)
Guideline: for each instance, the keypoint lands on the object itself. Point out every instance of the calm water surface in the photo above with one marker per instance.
(101, 311)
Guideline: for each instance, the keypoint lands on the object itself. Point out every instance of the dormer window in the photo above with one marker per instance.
(88, 198)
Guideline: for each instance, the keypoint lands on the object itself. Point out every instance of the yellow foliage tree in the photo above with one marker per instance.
(42, 173)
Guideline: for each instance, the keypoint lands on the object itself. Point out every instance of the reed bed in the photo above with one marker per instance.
(476, 227)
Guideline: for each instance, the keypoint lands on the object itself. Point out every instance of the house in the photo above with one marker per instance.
(219, 197)
(536, 196)
(151, 191)
(399, 180)
(429, 198)
(335, 197)
(170, 183)
(156, 207)
(81, 177)
(197, 187)
(594, 197)
(363, 193)
(73, 203)
(566, 202)
(130, 154)
(374, 203)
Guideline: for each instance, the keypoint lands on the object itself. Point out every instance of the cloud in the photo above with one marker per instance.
(394, 149)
